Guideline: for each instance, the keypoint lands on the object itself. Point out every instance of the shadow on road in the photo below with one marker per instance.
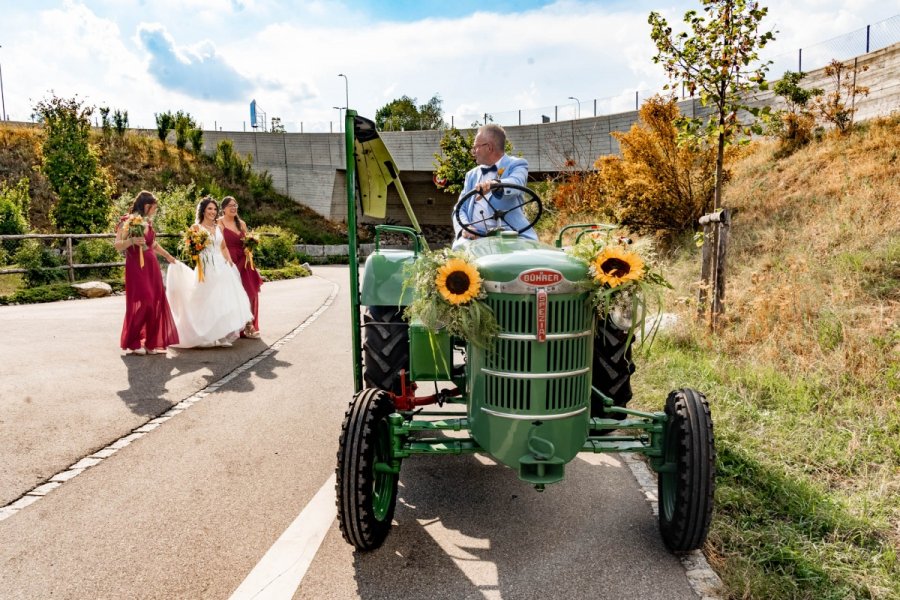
(469, 530)
(149, 377)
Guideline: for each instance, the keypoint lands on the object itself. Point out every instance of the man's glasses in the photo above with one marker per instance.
(479, 145)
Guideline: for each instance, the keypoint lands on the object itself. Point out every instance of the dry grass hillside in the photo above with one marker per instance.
(804, 376)
(135, 162)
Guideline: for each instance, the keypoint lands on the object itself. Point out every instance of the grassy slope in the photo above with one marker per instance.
(137, 162)
(804, 378)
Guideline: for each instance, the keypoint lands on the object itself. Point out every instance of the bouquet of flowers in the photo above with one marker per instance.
(623, 280)
(449, 296)
(251, 243)
(135, 228)
(194, 240)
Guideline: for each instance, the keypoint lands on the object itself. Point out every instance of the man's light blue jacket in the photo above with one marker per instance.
(510, 169)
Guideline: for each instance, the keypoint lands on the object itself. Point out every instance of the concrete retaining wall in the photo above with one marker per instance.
(309, 167)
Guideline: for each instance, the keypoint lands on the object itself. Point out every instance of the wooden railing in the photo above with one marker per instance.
(70, 265)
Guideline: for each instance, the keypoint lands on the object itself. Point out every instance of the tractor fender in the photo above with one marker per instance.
(383, 275)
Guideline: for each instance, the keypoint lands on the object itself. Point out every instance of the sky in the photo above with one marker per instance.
(211, 58)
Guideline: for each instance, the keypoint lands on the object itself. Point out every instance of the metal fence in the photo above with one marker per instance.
(862, 41)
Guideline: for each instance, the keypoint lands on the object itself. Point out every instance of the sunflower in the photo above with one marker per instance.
(458, 281)
(614, 266)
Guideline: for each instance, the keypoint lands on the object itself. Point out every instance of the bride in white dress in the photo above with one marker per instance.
(211, 312)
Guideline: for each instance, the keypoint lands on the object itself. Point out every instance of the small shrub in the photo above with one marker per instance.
(275, 251)
(839, 106)
(288, 272)
(93, 251)
(37, 259)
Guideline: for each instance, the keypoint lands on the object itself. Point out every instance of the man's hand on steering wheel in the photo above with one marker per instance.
(498, 215)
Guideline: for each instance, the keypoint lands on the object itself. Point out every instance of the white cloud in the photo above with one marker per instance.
(288, 56)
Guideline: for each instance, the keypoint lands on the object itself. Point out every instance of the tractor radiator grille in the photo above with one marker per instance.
(523, 378)
(567, 392)
(514, 394)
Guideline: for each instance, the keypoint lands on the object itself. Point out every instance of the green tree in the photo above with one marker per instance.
(72, 167)
(164, 123)
(793, 125)
(120, 120)
(184, 124)
(720, 62)
(230, 162)
(402, 114)
(455, 159)
(196, 137)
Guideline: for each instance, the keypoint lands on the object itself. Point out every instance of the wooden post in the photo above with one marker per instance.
(712, 271)
(69, 259)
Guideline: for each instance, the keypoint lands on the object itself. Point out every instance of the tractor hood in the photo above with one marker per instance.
(509, 263)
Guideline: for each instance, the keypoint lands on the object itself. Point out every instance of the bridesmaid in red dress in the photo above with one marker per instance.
(149, 326)
(234, 231)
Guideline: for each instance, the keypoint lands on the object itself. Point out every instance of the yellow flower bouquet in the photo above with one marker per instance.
(623, 280)
(135, 228)
(449, 296)
(251, 243)
(194, 240)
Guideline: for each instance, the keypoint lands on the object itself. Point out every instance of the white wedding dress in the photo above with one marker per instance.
(212, 311)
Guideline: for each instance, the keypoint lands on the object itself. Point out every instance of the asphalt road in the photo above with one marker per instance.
(198, 502)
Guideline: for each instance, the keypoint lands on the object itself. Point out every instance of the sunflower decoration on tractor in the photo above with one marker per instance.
(522, 349)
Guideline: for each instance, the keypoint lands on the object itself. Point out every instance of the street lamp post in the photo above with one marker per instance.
(2, 98)
(339, 109)
(346, 90)
(579, 104)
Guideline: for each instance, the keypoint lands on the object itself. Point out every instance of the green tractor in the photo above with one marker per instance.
(554, 381)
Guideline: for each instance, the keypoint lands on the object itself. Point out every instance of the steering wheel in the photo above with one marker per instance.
(533, 198)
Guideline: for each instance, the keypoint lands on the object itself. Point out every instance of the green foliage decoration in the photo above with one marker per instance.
(449, 296)
(72, 166)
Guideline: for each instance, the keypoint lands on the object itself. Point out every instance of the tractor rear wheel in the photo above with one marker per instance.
(687, 482)
(385, 347)
(366, 494)
(612, 367)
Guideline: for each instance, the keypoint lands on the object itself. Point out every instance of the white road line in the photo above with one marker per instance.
(32, 496)
(701, 577)
(279, 573)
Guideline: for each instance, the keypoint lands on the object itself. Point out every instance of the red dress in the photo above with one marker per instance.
(249, 277)
(148, 320)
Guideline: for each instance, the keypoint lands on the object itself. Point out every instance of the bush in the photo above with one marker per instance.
(659, 186)
(288, 272)
(14, 203)
(274, 252)
(93, 251)
(36, 258)
(72, 167)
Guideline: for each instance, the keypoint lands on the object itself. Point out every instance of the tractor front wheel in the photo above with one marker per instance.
(366, 489)
(686, 482)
